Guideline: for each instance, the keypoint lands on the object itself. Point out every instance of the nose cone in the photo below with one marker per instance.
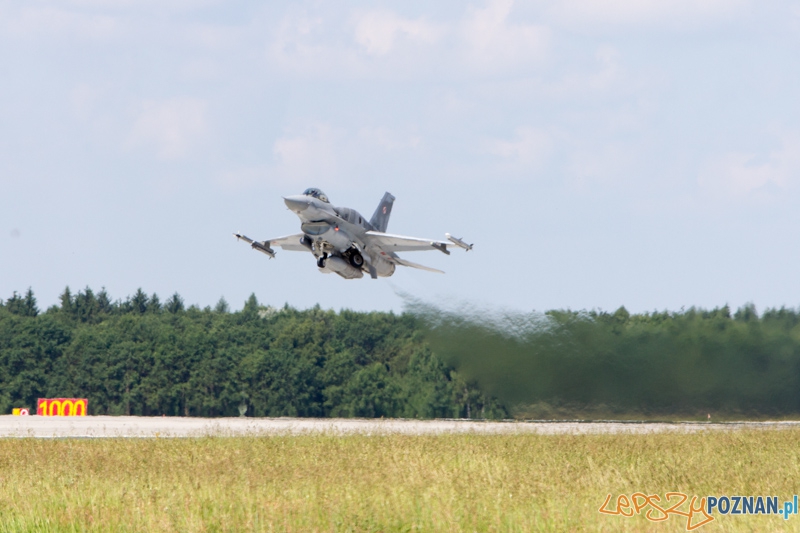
(297, 203)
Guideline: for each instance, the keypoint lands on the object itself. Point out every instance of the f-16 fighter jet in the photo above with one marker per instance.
(344, 242)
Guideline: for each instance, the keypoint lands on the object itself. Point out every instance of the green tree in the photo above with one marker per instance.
(104, 305)
(23, 305)
(127, 358)
(174, 304)
(139, 301)
(66, 302)
(154, 304)
(222, 306)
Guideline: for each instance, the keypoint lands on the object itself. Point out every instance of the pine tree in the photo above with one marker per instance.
(67, 306)
(104, 304)
(22, 305)
(30, 304)
(139, 302)
(85, 305)
(155, 304)
(222, 306)
(174, 304)
(250, 309)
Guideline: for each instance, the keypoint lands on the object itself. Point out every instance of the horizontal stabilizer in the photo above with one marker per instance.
(415, 265)
(401, 243)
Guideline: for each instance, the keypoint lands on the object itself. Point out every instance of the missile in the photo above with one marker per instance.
(245, 238)
(458, 242)
(262, 247)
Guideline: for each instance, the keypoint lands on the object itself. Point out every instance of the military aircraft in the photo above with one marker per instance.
(346, 243)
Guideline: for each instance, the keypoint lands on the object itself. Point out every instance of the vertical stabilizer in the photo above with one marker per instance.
(380, 220)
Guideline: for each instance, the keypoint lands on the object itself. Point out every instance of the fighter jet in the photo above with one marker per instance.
(344, 242)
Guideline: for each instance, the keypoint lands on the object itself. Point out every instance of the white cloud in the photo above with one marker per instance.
(607, 163)
(300, 45)
(243, 178)
(171, 126)
(529, 147)
(382, 43)
(163, 5)
(84, 98)
(607, 74)
(372, 44)
(387, 139)
(494, 41)
(201, 69)
(213, 36)
(610, 70)
(323, 153)
(307, 156)
(742, 173)
(109, 20)
(690, 13)
(379, 31)
(54, 21)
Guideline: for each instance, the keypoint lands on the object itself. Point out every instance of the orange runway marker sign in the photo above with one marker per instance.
(62, 406)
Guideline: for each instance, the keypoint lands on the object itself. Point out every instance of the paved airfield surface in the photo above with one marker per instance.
(135, 426)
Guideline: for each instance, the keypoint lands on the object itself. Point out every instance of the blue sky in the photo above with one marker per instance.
(597, 152)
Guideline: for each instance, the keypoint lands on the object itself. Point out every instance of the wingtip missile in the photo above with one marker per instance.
(458, 242)
(245, 238)
(262, 247)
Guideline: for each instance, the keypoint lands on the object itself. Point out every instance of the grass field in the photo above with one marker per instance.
(386, 483)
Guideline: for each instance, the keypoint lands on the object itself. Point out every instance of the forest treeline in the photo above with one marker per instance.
(579, 364)
(142, 356)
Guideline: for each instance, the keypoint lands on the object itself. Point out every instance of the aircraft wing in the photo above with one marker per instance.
(289, 242)
(400, 243)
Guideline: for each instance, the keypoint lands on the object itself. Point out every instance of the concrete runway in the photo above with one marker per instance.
(135, 426)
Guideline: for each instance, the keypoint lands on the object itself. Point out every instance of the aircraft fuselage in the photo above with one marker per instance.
(335, 235)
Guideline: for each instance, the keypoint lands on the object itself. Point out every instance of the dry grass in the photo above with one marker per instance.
(385, 483)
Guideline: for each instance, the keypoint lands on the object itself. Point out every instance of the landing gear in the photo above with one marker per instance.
(356, 259)
(321, 260)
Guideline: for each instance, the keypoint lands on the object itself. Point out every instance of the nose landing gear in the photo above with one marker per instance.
(321, 260)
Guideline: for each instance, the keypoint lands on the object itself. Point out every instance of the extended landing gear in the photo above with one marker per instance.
(350, 258)
(356, 259)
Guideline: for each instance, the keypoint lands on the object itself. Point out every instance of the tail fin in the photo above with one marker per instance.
(380, 220)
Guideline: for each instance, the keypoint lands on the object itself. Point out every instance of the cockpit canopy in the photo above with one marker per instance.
(316, 193)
